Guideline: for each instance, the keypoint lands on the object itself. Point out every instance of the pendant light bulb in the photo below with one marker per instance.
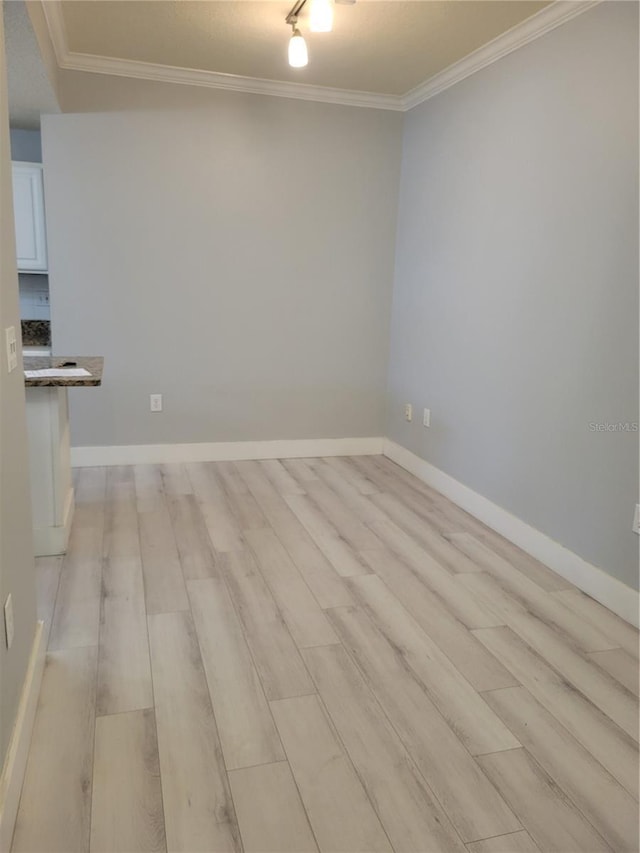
(321, 16)
(298, 56)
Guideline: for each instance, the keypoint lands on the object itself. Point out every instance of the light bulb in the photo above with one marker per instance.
(321, 16)
(298, 56)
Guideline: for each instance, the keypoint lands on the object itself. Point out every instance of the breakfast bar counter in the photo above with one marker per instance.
(52, 499)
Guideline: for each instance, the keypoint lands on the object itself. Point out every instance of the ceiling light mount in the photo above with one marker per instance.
(292, 17)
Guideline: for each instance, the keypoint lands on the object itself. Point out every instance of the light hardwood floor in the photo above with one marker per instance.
(319, 655)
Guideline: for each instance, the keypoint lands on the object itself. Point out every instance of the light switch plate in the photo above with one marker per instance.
(636, 519)
(8, 620)
(12, 348)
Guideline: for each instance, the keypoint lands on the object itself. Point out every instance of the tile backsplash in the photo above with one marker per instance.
(34, 296)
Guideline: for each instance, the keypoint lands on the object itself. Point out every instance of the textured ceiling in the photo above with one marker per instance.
(30, 92)
(386, 46)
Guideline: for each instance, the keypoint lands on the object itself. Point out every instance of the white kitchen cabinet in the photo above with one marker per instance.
(28, 207)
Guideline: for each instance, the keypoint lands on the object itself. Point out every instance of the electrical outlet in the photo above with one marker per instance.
(12, 348)
(426, 417)
(408, 412)
(8, 621)
(636, 520)
(155, 402)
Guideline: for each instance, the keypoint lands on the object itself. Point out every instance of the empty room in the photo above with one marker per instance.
(319, 426)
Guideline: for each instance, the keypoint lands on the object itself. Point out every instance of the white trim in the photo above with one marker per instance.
(16, 759)
(542, 22)
(51, 541)
(537, 25)
(610, 592)
(223, 451)
(230, 82)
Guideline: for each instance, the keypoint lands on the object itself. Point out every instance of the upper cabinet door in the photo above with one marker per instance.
(28, 207)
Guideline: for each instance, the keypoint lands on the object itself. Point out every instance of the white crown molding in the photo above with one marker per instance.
(597, 583)
(72, 61)
(537, 25)
(547, 19)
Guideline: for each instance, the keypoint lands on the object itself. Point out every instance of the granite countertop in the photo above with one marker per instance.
(92, 363)
(36, 333)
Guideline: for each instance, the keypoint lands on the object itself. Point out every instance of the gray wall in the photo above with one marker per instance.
(26, 145)
(232, 252)
(515, 310)
(16, 553)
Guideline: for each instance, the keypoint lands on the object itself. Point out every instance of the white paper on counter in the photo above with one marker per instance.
(53, 372)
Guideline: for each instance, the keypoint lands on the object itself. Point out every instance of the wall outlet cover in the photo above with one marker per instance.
(636, 520)
(155, 402)
(12, 348)
(426, 418)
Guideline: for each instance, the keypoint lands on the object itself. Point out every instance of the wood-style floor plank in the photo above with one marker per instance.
(220, 520)
(603, 691)
(247, 731)
(470, 801)
(611, 625)
(551, 819)
(531, 568)
(196, 553)
(360, 504)
(320, 654)
(608, 807)
(345, 467)
(126, 813)
(479, 667)
(339, 810)
(338, 552)
(522, 590)
(277, 659)
(459, 603)
(242, 504)
(299, 469)
(464, 710)
(280, 478)
(614, 749)
(348, 526)
(175, 480)
(432, 542)
(620, 665)
(124, 670)
(197, 801)
(164, 586)
(322, 579)
(76, 620)
(411, 815)
(305, 619)
(263, 795)
(515, 842)
(55, 807)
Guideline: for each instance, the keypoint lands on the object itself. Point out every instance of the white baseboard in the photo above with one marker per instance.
(51, 541)
(618, 597)
(15, 763)
(223, 451)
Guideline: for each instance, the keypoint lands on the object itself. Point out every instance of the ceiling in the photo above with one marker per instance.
(30, 91)
(386, 47)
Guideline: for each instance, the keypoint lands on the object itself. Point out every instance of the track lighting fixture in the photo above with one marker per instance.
(298, 55)
(320, 21)
(321, 16)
